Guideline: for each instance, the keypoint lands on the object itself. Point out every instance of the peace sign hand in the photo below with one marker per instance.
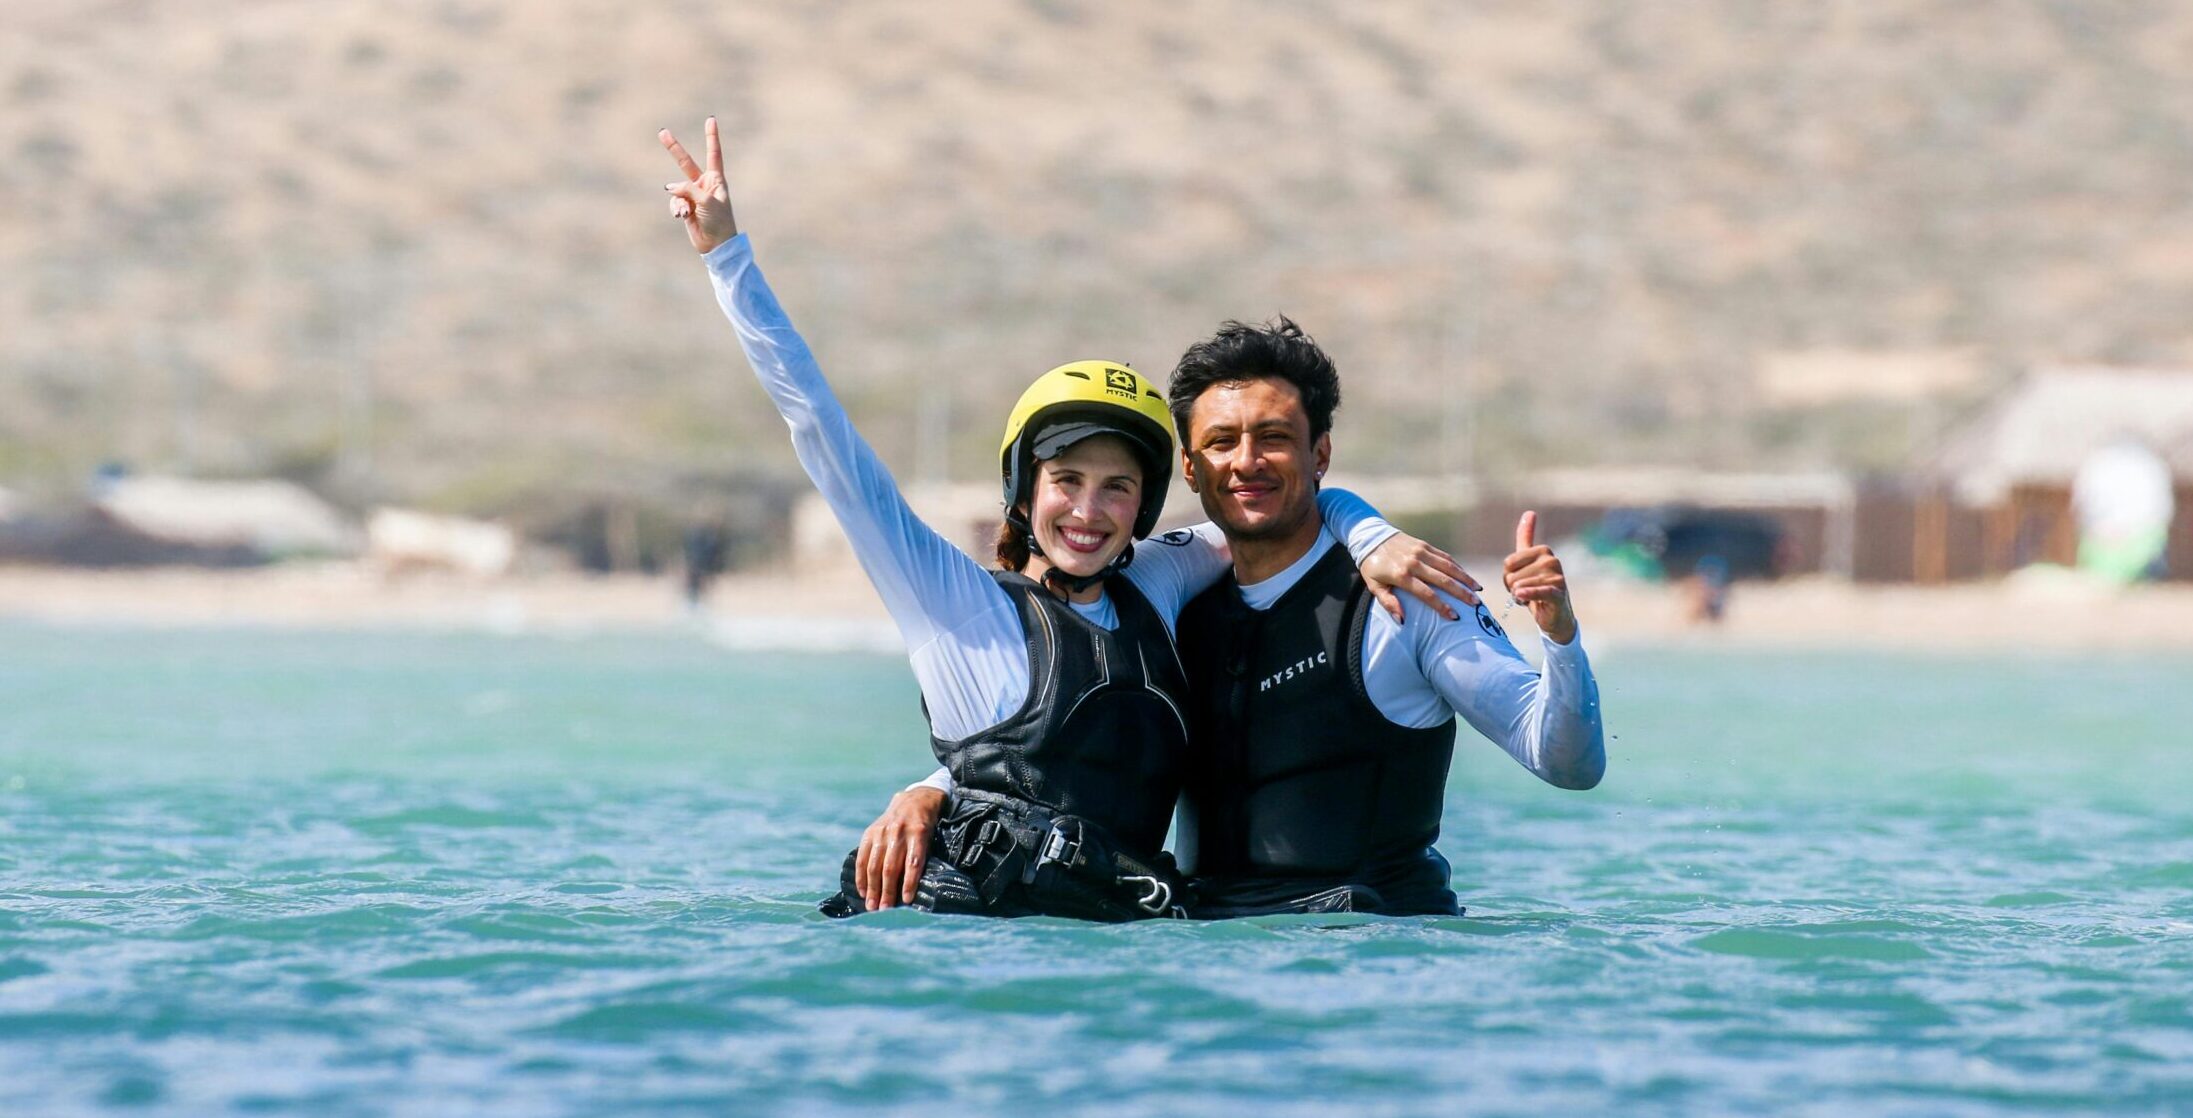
(702, 201)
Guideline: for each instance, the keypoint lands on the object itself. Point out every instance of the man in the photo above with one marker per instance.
(1321, 729)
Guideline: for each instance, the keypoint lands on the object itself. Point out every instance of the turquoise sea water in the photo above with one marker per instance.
(365, 874)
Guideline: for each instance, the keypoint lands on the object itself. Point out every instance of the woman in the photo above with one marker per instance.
(1051, 688)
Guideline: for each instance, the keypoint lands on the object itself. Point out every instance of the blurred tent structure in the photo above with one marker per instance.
(279, 519)
(148, 521)
(2044, 430)
(406, 540)
(2015, 464)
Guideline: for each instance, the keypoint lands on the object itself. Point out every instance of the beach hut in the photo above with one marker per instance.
(2017, 460)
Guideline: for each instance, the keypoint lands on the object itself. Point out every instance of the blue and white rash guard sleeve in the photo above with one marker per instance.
(1424, 670)
(1428, 669)
(962, 633)
(963, 637)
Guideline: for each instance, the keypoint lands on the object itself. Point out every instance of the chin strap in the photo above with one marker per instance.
(1058, 581)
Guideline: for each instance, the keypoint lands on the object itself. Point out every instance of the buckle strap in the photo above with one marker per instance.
(1067, 845)
(1059, 848)
(985, 837)
(999, 844)
(987, 846)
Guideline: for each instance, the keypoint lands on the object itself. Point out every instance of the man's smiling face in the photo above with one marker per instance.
(1251, 458)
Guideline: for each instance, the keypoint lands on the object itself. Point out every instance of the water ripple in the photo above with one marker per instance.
(1948, 911)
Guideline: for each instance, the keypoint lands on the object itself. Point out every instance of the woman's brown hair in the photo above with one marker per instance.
(1012, 546)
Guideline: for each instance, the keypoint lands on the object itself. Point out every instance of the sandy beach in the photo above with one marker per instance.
(838, 610)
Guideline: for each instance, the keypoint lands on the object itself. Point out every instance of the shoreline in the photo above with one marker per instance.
(837, 611)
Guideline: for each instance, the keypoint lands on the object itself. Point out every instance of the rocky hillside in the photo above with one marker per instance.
(419, 248)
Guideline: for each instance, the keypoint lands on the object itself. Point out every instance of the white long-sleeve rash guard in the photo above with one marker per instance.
(1425, 670)
(963, 635)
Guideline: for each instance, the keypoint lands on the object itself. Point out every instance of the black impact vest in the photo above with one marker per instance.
(1296, 773)
(1104, 732)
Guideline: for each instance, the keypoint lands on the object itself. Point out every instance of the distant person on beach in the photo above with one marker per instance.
(1054, 695)
(1705, 551)
(704, 547)
(1321, 730)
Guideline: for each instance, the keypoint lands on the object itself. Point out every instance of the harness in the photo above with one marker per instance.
(1064, 865)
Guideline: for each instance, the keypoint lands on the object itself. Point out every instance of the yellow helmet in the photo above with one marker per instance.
(1075, 401)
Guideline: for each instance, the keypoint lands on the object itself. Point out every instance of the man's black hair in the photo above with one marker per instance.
(1277, 349)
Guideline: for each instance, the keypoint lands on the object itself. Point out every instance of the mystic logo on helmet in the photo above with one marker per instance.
(1080, 399)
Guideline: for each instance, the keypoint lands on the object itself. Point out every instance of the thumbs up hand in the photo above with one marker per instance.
(1533, 574)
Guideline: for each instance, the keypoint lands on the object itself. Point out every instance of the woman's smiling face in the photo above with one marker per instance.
(1084, 505)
